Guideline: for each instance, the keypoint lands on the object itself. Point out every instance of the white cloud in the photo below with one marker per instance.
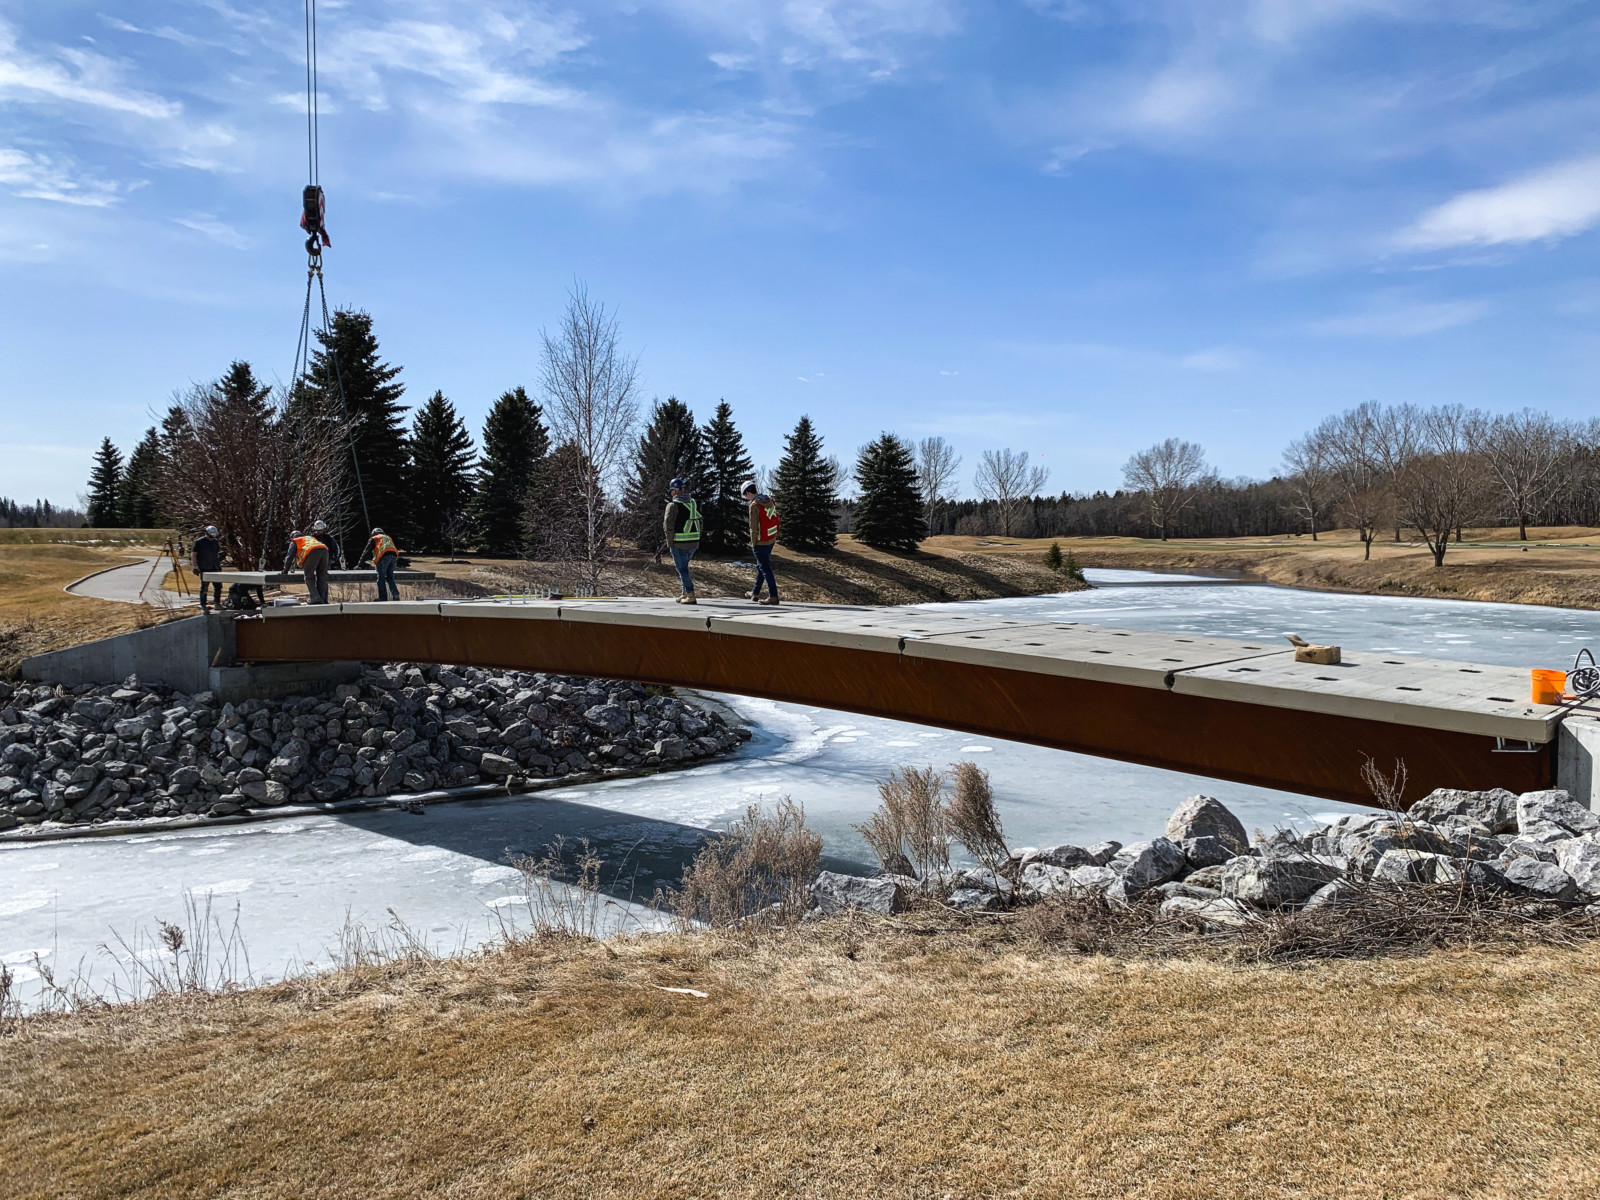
(871, 37)
(217, 231)
(1395, 317)
(76, 77)
(1217, 358)
(38, 177)
(1546, 205)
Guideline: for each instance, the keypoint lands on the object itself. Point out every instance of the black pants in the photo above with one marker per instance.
(216, 589)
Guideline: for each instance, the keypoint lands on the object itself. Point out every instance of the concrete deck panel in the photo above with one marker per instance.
(270, 578)
(1074, 651)
(1421, 692)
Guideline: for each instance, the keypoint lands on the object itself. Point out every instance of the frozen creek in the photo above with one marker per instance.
(86, 906)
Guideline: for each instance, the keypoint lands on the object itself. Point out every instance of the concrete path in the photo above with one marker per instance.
(127, 585)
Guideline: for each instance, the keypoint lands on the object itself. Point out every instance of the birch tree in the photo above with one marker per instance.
(590, 388)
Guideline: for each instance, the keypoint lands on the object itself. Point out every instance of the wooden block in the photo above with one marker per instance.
(1327, 656)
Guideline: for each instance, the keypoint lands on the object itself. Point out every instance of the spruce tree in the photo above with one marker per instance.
(348, 360)
(515, 444)
(440, 473)
(728, 469)
(670, 448)
(105, 481)
(890, 514)
(803, 489)
(138, 504)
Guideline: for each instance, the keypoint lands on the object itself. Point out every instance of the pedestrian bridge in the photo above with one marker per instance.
(1241, 711)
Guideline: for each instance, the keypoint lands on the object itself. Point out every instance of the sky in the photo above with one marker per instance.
(1071, 227)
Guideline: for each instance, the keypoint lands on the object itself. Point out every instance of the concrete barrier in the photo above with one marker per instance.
(196, 654)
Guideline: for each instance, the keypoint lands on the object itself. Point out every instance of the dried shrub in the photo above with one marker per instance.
(1376, 920)
(909, 831)
(972, 817)
(1388, 791)
(762, 866)
(561, 890)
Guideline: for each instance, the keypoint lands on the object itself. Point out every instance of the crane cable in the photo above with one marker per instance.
(313, 210)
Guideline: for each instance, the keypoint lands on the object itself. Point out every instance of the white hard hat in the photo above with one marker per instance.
(320, 526)
(211, 531)
(294, 533)
(377, 529)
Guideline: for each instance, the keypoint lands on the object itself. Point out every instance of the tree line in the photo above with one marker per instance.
(568, 469)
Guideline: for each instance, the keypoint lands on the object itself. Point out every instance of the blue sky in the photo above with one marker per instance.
(1066, 226)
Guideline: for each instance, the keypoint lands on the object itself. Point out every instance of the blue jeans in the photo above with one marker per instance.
(764, 572)
(385, 567)
(681, 554)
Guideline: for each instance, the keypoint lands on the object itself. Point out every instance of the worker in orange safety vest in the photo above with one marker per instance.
(385, 557)
(309, 556)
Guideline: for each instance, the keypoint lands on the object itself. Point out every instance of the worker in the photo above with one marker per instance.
(320, 530)
(310, 556)
(385, 555)
(207, 559)
(763, 532)
(681, 524)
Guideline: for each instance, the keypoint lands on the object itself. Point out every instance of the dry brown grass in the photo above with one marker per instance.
(37, 615)
(1561, 566)
(857, 1058)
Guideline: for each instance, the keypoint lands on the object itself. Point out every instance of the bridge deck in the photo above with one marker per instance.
(1233, 709)
(270, 578)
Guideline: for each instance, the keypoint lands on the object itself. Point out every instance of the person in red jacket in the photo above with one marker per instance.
(763, 533)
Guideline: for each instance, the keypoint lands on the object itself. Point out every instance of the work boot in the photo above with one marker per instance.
(769, 602)
(687, 599)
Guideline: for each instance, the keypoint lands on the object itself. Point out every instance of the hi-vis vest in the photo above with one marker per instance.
(304, 546)
(383, 544)
(766, 522)
(691, 526)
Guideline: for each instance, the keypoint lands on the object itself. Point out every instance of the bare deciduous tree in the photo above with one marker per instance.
(1005, 477)
(1397, 438)
(937, 464)
(1308, 465)
(1521, 451)
(1440, 487)
(1166, 475)
(589, 386)
(256, 467)
(1355, 460)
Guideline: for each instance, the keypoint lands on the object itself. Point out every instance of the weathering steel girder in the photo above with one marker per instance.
(1232, 710)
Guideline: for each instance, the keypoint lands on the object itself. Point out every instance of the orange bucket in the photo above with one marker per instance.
(1548, 686)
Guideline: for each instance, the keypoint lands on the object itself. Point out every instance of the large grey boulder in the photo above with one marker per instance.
(1142, 865)
(1201, 852)
(1281, 879)
(1069, 856)
(1091, 879)
(1553, 816)
(1332, 895)
(497, 765)
(833, 893)
(1224, 913)
(1205, 816)
(610, 717)
(1408, 866)
(1102, 853)
(1541, 880)
(1044, 879)
(1471, 873)
(976, 900)
(1363, 849)
(1580, 858)
(1177, 888)
(266, 792)
(1495, 809)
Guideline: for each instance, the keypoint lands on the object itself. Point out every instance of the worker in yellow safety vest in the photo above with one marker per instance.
(385, 556)
(681, 524)
(308, 555)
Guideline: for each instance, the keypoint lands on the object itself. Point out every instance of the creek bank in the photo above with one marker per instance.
(1541, 846)
(93, 757)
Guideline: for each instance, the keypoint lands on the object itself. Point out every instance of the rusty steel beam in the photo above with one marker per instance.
(1314, 754)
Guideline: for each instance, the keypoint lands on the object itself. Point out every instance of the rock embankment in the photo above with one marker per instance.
(122, 753)
(1542, 845)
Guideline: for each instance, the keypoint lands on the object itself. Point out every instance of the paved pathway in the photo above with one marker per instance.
(135, 583)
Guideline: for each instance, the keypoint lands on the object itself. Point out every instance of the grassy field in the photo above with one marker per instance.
(851, 1059)
(36, 614)
(1557, 566)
